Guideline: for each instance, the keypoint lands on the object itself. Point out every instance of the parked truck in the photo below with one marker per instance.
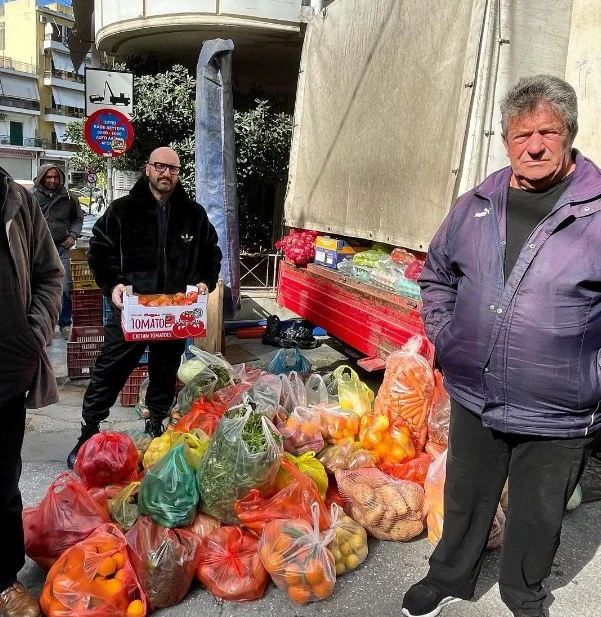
(397, 114)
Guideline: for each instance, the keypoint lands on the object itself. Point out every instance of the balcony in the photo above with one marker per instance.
(22, 67)
(63, 114)
(13, 101)
(65, 75)
(26, 142)
(61, 147)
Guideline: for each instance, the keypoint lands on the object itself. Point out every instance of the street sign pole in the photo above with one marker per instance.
(109, 179)
(90, 206)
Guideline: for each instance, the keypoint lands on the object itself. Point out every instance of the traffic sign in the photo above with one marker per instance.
(91, 178)
(109, 132)
(109, 89)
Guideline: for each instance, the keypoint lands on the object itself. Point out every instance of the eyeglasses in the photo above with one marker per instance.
(161, 167)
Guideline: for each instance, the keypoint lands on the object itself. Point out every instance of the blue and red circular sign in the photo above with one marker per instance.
(109, 132)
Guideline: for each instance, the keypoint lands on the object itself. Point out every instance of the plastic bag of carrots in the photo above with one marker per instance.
(406, 392)
(296, 556)
(94, 579)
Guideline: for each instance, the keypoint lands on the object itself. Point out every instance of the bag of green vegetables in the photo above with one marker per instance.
(245, 453)
(203, 360)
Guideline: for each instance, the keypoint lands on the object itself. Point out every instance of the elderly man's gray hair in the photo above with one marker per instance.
(530, 92)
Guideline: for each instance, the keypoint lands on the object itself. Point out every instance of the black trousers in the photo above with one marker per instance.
(542, 474)
(12, 413)
(117, 360)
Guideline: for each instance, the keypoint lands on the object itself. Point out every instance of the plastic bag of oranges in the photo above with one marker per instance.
(338, 424)
(94, 579)
(302, 431)
(296, 556)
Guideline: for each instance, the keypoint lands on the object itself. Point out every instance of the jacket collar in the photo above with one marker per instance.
(141, 191)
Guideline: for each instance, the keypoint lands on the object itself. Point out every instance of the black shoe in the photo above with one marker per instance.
(154, 427)
(87, 431)
(423, 600)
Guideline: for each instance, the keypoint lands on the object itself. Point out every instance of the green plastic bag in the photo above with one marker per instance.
(245, 453)
(169, 493)
(123, 508)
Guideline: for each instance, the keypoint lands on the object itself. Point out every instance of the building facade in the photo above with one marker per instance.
(40, 91)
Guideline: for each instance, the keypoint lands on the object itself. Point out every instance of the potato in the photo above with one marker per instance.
(406, 530)
(363, 495)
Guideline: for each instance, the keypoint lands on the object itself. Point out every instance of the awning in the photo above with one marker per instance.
(62, 62)
(20, 87)
(68, 98)
(61, 133)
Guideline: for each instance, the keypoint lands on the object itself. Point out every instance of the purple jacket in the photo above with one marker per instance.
(524, 353)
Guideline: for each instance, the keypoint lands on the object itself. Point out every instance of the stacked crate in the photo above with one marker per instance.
(87, 334)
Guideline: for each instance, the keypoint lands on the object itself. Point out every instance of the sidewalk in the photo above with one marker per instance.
(377, 587)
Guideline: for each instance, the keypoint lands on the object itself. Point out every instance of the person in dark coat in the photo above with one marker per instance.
(157, 240)
(30, 295)
(511, 296)
(65, 220)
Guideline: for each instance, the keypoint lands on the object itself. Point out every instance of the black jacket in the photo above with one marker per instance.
(124, 247)
(61, 210)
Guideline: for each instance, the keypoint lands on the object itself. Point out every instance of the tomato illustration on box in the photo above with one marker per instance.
(156, 317)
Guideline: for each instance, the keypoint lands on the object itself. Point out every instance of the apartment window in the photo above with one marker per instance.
(16, 133)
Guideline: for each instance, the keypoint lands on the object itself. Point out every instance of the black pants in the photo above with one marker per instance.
(542, 474)
(117, 360)
(12, 413)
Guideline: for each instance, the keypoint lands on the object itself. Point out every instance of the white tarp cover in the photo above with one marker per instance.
(61, 133)
(19, 87)
(62, 62)
(69, 98)
(380, 118)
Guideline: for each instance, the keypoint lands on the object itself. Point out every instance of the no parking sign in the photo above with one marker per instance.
(109, 132)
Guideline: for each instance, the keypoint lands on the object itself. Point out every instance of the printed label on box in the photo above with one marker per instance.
(156, 323)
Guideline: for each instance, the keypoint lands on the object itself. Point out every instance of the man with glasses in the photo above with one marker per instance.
(158, 240)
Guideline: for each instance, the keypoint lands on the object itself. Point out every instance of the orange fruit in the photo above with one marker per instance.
(109, 588)
(299, 594)
(107, 567)
(119, 560)
(293, 575)
(313, 571)
(323, 589)
(135, 608)
(120, 575)
(274, 562)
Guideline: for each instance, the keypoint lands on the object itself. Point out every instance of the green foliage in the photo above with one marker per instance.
(86, 159)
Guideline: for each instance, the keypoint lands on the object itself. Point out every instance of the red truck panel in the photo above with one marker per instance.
(372, 320)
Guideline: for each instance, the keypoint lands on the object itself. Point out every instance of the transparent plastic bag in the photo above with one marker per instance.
(389, 509)
(307, 464)
(141, 407)
(141, 440)
(202, 385)
(302, 431)
(440, 413)
(169, 493)
(123, 508)
(406, 393)
(266, 394)
(349, 454)
(202, 525)
(296, 556)
(158, 447)
(316, 389)
(349, 545)
(294, 502)
(66, 515)
(287, 360)
(107, 458)
(390, 443)
(94, 578)
(352, 393)
(294, 393)
(230, 567)
(245, 453)
(165, 561)
(338, 424)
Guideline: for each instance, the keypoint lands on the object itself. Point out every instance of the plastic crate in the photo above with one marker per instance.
(81, 275)
(129, 394)
(87, 307)
(82, 350)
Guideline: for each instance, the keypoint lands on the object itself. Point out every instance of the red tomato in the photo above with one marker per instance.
(196, 328)
(187, 317)
(143, 300)
(192, 295)
(178, 298)
(187, 302)
(180, 330)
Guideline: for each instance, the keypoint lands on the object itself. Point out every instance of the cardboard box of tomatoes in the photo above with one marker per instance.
(155, 317)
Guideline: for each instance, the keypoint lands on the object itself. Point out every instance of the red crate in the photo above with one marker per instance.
(87, 307)
(129, 394)
(82, 350)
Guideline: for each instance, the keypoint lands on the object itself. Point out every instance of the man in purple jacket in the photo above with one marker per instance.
(512, 301)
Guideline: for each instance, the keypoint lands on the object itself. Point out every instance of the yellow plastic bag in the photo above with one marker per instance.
(198, 442)
(158, 447)
(308, 464)
(353, 394)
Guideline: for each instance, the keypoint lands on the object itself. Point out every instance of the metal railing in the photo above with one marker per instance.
(64, 147)
(9, 63)
(27, 142)
(65, 111)
(66, 75)
(259, 271)
(13, 101)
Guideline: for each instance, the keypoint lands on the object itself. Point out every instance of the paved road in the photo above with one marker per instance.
(376, 588)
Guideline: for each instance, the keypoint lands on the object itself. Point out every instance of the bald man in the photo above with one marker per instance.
(158, 240)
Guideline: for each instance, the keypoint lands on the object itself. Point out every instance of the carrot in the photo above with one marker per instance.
(414, 383)
(422, 418)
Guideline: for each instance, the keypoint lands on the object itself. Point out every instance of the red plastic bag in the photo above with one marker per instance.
(94, 579)
(230, 567)
(67, 515)
(414, 470)
(203, 413)
(203, 525)
(292, 502)
(164, 560)
(230, 396)
(107, 458)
